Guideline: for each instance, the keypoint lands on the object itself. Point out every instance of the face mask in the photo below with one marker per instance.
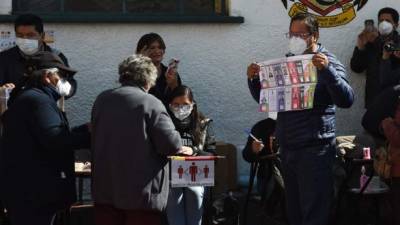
(297, 45)
(63, 87)
(181, 112)
(385, 28)
(27, 46)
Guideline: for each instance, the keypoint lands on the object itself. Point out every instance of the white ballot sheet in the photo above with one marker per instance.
(287, 84)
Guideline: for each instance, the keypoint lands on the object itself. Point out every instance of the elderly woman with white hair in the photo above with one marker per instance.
(132, 134)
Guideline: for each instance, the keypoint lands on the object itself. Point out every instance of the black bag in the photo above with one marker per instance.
(226, 210)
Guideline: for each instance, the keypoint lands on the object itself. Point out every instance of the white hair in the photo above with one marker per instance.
(137, 70)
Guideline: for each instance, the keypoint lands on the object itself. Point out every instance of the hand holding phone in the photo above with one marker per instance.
(170, 74)
(172, 65)
(369, 25)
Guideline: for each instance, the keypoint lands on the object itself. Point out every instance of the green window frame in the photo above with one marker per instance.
(124, 11)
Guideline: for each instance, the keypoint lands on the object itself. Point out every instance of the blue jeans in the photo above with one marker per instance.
(308, 181)
(185, 206)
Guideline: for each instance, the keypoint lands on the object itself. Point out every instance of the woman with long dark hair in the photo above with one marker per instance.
(185, 205)
(153, 46)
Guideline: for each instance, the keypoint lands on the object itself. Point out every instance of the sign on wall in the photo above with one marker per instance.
(329, 13)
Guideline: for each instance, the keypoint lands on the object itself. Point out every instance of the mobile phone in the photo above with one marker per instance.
(369, 25)
(173, 64)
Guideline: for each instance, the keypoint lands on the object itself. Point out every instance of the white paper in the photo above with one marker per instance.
(287, 84)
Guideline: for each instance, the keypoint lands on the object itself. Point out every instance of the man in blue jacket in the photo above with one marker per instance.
(306, 137)
(36, 152)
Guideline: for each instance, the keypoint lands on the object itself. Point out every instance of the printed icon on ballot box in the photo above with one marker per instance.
(193, 172)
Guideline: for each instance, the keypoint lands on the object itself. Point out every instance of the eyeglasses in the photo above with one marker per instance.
(300, 35)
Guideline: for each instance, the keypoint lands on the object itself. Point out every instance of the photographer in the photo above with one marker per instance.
(368, 52)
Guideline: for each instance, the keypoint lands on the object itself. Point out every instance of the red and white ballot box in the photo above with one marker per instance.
(189, 171)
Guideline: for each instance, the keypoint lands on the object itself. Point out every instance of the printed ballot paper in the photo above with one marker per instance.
(287, 84)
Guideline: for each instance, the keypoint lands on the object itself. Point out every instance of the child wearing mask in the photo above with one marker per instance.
(185, 205)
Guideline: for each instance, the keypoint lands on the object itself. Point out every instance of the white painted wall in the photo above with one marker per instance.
(213, 57)
(5, 6)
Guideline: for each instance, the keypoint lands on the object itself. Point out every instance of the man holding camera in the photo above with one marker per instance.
(367, 55)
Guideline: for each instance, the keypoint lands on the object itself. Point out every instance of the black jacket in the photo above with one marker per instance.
(262, 130)
(384, 105)
(268, 171)
(36, 154)
(389, 76)
(369, 60)
(160, 90)
(206, 144)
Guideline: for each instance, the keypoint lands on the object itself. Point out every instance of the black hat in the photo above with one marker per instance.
(47, 60)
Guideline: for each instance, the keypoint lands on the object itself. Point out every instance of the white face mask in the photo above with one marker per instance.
(182, 112)
(63, 87)
(385, 28)
(297, 45)
(27, 46)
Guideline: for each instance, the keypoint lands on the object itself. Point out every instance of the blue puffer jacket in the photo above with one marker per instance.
(313, 127)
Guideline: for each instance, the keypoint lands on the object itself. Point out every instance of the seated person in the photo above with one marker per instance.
(391, 130)
(269, 179)
(383, 106)
(185, 205)
(389, 73)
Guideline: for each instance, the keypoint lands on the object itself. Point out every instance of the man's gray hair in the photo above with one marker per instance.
(137, 70)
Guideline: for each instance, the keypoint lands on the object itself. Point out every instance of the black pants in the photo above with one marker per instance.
(395, 200)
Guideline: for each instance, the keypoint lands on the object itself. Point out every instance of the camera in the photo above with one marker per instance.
(390, 47)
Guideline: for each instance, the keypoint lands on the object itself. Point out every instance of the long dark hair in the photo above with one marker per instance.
(148, 39)
(195, 116)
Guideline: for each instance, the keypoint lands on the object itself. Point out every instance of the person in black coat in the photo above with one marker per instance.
(269, 179)
(383, 106)
(36, 154)
(16, 62)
